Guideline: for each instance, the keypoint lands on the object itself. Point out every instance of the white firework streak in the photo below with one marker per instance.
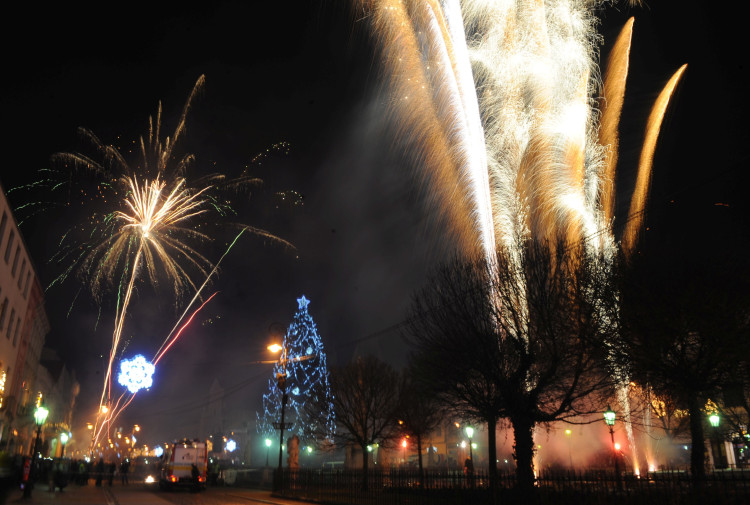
(516, 135)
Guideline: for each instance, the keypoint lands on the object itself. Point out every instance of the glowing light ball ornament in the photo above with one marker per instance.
(135, 374)
(231, 445)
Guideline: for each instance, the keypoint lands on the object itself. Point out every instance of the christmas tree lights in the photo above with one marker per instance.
(303, 363)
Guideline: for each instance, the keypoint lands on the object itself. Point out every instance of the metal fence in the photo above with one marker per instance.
(404, 487)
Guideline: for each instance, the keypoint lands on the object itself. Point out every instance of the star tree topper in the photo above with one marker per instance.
(303, 303)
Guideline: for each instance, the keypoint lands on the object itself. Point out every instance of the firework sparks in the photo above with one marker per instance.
(500, 99)
(143, 222)
(148, 228)
(515, 97)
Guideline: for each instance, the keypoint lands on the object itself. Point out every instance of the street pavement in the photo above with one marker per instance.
(142, 494)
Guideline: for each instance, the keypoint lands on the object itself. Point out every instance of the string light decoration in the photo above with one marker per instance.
(136, 374)
(306, 372)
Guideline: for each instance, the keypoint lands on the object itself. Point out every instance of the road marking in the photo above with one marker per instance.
(110, 497)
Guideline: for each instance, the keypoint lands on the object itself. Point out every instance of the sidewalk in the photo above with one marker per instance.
(73, 495)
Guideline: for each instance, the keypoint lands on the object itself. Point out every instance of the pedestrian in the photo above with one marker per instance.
(99, 471)
(124, 468)
(469, 471)
(82, 478)
(112, 467)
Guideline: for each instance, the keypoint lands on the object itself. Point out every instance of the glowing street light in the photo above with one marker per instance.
(609, 418)
(40, 415)
(714, 419)
(281, 382)
(268, 446)
(63, 440)
(274, 348)
(470, 433)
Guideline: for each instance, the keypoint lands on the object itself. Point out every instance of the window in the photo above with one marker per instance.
(9, 247)
(3, 312)
(18, 329)
(3, 225)
(15, 261)
(20, 276)
(26, 287)
(10, 323)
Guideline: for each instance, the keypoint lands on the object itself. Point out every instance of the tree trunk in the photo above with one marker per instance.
(697, 454)
(492, 451)
(419, 459)
(365, 463)
(524, 450)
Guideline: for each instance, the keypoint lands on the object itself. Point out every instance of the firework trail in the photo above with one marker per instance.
(113, 412)
(144, 222)
(514, 126)
(170, 341)
(515, 130)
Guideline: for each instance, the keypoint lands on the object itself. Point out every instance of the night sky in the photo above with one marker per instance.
(306, 73)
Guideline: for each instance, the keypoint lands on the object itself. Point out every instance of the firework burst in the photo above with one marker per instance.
(144, 221)
(515, 130)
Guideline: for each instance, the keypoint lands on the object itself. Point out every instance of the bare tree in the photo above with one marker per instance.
(365, 402)
(684, 330)
(419, 413)
(519, 337)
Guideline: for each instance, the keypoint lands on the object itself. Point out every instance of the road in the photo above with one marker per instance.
(142, 494)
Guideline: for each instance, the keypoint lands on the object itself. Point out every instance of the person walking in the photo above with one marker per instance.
(99, 470)
(124, 468)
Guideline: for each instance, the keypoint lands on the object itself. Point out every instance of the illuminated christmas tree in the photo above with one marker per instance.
(301, 372)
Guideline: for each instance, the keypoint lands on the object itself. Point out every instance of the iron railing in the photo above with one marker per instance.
(404, 487)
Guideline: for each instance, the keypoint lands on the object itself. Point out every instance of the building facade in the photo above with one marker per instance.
(23, 329)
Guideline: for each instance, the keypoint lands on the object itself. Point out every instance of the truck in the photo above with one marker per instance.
(177, 465)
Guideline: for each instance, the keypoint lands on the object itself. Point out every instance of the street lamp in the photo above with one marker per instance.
(281, 381)
(714, 421)
(470, 433)
(568, 433)
(63, 440)
(268, 445)
(609, 418)
(40, 415)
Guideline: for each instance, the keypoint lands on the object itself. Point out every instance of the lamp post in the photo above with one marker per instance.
(281, 382)
(609, 418)
(268, 446)
(40, 415)
(568, 433)
(714, 421)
